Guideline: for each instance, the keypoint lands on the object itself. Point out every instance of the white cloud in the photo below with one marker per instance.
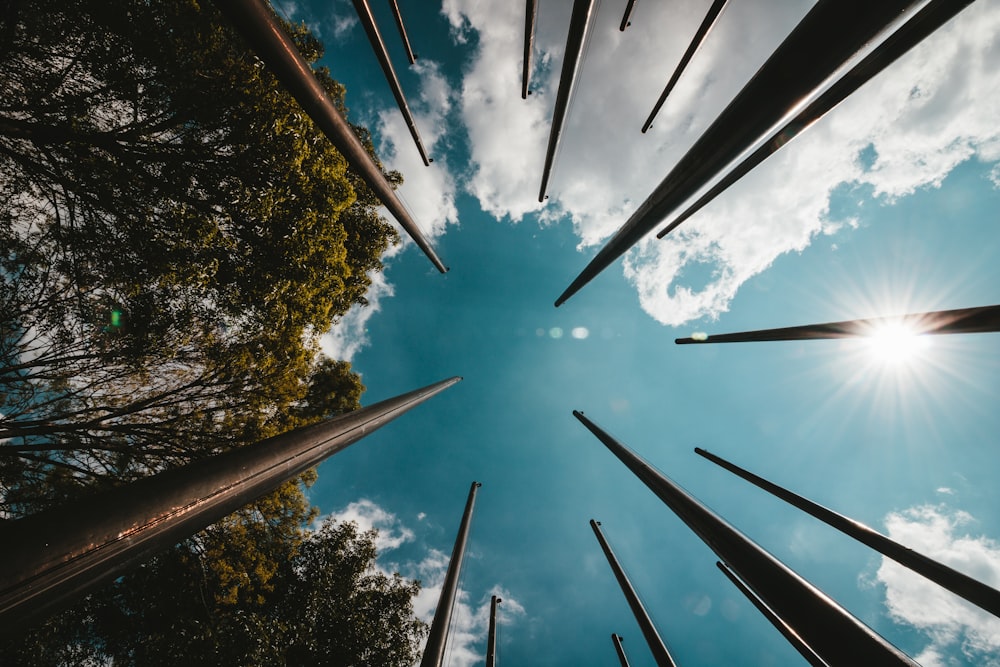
(428, 191)
(934, 109)
(950, 622)
(470, 615)
(350, 333)
(470, 620)
(367, 516)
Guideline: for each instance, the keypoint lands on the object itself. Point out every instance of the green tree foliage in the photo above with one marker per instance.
(328, 605)
(175, 235)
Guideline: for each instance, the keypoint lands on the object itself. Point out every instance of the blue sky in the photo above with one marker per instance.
(888, 205)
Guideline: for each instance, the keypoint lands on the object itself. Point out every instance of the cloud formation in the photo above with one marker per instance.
(470, 617)
(950, 622)
(367, 515)
(933, 110)
(348, 335)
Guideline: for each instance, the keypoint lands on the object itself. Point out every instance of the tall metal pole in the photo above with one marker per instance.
(982, 319)
(696, 42)
(786, 631)
(530, 15)
(437, 639)
(832, 632)
(491, 636)
(976, 592)
(626, 22)
(402, 31)
(255, 20)
(616, 639)
(931, 17)
(832, 33)
(364, 11)
(58, 553)
(579, 25)
(656, 645)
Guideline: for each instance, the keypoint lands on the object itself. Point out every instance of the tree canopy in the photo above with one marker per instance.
(175, 235)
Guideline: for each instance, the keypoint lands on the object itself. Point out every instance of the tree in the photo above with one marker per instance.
(329, 605)
(175, 235)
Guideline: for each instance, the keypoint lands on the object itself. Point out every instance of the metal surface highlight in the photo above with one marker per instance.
(62, 552)
(781, 626)
(656, 645)
(256, 22)
(579, 27)
(616, 639)
(983, 596)
(831, 34)
(832, 632)
(931, 17)
(437, 638)
(981, 319)
(699, 38)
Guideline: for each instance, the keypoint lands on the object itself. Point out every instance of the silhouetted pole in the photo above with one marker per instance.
(437, 639)
(656, 645)
(696, 42)
(364, 11)
(786, 631)
(579, 24)
(616, 639)
(51, 556)
(982, 319)
(927, 20)
(530, 14)
(831, 33)
(976, 592)
(257, 23)
(626, 22)
(402, 31)
(491, 636)
(832, 632)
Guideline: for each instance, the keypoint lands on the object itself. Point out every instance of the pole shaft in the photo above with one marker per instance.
(656, 645)
(530, 15)
(491, 635)
(58, 553)
(437, 639)
(579, 24)
(927, 20)
(260, 28)
(786, 631)
(699, 38)
(402, 31)
(616, 639)
(832, 33)
(364, 12)
(976, 592)
(831, 631)
(981, 319)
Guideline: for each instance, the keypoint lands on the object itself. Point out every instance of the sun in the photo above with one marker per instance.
(896, 343)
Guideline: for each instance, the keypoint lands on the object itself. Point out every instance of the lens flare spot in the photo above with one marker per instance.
(699, 335)
(896, 343)
(539, 332)
(556, 333)
(579, 333)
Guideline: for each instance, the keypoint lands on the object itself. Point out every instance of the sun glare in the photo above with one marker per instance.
(896, 343)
